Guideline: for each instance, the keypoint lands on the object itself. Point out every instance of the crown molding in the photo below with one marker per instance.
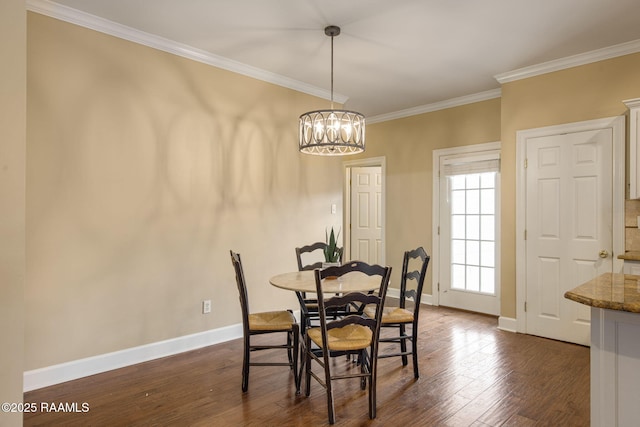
(83, 19)
(570, 61)
(428, 108)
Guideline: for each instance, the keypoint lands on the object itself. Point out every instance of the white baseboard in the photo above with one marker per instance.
(508, 324)
(68, 371)
(75, 369)
(395, 293)
(426, 299)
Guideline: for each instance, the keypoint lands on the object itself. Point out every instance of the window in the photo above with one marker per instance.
(472, 182)
(473, 237)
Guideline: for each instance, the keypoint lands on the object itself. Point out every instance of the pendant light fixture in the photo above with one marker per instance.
(331, 132)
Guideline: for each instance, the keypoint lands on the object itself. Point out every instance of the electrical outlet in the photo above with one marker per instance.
(206, 306)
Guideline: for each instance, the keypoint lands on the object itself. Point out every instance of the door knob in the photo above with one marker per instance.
(603, 253)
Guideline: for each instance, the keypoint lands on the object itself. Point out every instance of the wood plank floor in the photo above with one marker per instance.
(472, 374)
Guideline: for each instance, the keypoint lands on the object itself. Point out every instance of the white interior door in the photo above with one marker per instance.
(569, 227)
(366, 214)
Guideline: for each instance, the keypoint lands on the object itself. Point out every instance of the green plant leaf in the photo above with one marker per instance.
(331, 252)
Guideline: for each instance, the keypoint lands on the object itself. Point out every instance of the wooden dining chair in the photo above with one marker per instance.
(414, 269)
(271, 322)
(353, 334)
(310, 257)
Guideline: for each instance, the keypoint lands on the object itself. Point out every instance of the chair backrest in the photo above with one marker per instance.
(412, 281)
(358, 298)
(314, 251)
(242, 287)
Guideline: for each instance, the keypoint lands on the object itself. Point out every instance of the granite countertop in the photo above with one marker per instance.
(614, 291)
(630, 256)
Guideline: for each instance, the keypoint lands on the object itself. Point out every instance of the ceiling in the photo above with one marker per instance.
(391, 56)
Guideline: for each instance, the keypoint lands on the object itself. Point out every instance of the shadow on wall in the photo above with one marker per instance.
(141, 175)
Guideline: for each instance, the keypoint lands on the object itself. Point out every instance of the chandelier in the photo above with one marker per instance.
(331, 132)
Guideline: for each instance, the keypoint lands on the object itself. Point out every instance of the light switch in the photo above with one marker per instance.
(333, 208)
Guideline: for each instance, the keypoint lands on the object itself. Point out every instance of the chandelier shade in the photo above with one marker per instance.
(331, 132)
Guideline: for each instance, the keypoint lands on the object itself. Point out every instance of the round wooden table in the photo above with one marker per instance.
(304, 281)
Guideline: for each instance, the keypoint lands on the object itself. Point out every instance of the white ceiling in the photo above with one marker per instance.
(391, 55)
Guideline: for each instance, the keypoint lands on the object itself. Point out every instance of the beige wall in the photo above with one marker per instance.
(408, 145)
(581, 93)
(144, 170)
(13, 47)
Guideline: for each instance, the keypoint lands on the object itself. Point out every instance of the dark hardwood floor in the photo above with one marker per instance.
(471, 374)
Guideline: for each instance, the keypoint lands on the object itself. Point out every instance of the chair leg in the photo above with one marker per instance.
(295, 331)
(327, 383)
(373, 368)
(403, 345)
(302, 362)
(245, 364)
(307, 364)
(290, 348)
(330, 408)
(414, 348)
(362, 358)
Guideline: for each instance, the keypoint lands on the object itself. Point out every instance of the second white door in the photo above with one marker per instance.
(366, 214)
(569, 221)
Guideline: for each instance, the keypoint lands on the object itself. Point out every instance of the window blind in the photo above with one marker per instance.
(478, 163)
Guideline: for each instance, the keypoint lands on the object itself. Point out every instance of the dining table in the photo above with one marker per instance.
(304, 281)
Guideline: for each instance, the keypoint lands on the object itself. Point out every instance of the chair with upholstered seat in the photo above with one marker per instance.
(353, 334)
(414, 269)
(271, 322)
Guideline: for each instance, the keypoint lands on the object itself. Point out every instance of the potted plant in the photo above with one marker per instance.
(332, 252)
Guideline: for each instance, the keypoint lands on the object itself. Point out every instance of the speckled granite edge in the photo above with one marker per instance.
(630, 255)
(613, 291)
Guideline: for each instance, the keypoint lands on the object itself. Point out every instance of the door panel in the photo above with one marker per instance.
(366, 214)
(568, 222)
